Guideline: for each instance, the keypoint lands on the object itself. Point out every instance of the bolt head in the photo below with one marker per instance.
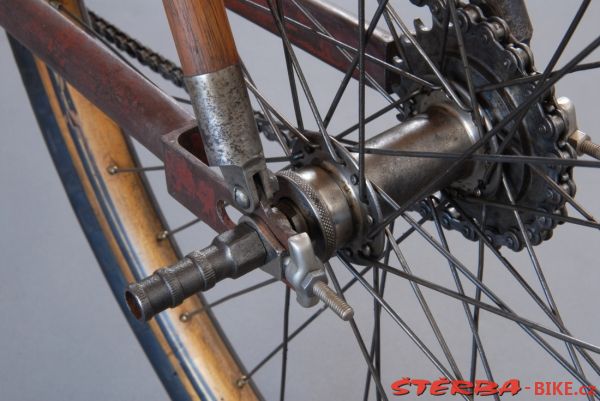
(241, 198)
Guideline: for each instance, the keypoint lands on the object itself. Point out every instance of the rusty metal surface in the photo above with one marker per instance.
(191, 182)
(139, 107)
(514, 13)
(230, 134)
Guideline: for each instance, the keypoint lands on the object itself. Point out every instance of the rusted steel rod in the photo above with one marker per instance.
(140, 108)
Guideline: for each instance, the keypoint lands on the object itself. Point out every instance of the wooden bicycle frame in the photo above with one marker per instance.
(205, 44)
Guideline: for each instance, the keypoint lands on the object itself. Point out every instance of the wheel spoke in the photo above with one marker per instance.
(562, 192)
(350, 71)
(504, 309)
(304, 84)
(262, 100)
(466, 67)
(357, 335)
(394, 315)
(480, 267)
(492, 158)
(377, 114)
(344, 52)
(534, 78)
(566, 38)
(426, 309)
(290, 72)
(284, 350)
(361, 101)
(444, 55)
(540, 274)
(477, 343)
(524, 209)
(267, 114)
(524, 284)
(501, 311)
(170, 232)
(114, 169)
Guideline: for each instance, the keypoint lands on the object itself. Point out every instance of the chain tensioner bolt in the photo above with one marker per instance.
(583, 144)
(591, 149)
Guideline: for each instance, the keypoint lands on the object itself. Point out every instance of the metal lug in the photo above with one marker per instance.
(230, 135)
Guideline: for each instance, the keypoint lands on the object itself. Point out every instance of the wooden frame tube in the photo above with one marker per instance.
(202, 35)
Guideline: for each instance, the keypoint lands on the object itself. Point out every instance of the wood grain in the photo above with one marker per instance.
(202, 35)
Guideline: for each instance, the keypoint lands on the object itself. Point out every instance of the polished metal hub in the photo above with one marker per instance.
(322, 197)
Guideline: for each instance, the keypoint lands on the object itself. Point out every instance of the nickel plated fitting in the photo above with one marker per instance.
(230, 135)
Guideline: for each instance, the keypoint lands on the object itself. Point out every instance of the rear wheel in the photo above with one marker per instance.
(522, 192)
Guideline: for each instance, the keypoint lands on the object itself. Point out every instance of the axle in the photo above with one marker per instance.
(318, 199)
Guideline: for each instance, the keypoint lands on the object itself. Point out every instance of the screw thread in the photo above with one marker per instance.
(333, 301)
(591, 149)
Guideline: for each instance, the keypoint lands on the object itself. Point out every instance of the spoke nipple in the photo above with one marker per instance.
(112, 169)
(241, 382)
(161, 236)
(333, 301)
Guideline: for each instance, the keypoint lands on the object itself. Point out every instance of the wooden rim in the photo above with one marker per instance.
(121, 221)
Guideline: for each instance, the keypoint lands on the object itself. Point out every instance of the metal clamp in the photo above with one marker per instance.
(230, 135)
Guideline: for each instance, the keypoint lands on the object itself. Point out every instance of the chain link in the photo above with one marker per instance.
(145, 56)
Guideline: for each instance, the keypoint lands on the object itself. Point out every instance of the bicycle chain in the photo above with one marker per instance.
(162, 65)
(496, 54)
(145, 56)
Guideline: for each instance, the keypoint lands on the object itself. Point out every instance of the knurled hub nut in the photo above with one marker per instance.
(305, 195)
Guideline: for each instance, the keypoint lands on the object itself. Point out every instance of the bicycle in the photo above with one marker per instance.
(327, 193)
